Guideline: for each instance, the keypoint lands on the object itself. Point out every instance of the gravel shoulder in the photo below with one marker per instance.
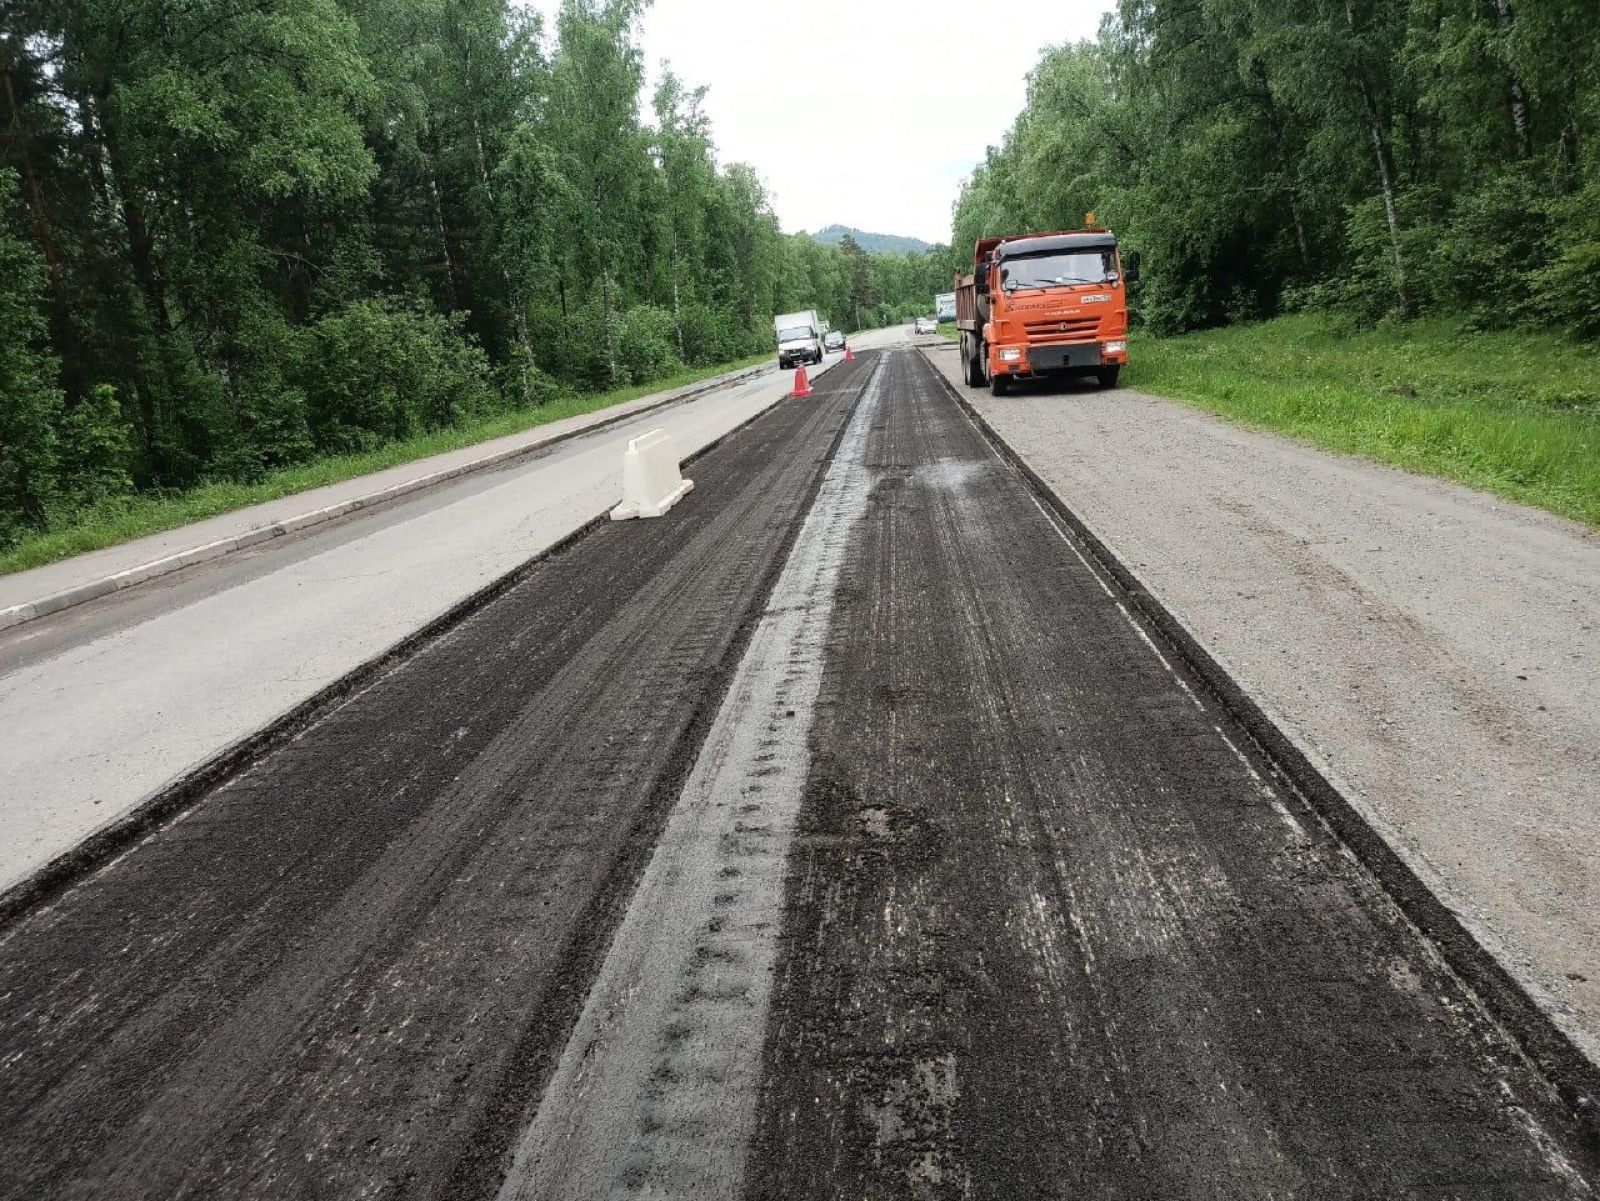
(1436, 651)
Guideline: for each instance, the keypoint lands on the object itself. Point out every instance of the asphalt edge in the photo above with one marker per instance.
(1574, 1077)
(57, 876)
(68, 598)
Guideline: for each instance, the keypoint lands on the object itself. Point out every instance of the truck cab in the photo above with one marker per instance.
(1042, 306)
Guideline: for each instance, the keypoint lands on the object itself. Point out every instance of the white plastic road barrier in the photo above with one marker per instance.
(651, 482)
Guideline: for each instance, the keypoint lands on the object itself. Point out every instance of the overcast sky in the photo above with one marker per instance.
(897, 85)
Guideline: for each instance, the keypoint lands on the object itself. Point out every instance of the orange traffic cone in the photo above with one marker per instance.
(849, 355)
(802, 385)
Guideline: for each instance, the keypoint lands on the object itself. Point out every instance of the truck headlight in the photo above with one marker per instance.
(1011, 354)
(1116, 348)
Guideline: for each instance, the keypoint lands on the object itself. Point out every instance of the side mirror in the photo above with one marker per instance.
(1133, 268)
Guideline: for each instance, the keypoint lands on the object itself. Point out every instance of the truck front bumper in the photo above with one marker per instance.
(1074, 356)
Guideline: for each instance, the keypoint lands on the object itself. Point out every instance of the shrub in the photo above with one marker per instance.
(1368, 285)
(712, 336)
(96, 449)
(646, 343)
(1496, 236)
(378, 371)
(1563, 291)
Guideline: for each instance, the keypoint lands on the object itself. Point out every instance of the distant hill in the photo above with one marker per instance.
(872, 243)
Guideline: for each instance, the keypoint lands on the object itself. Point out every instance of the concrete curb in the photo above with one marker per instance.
(1571, 1074)
(94, 589)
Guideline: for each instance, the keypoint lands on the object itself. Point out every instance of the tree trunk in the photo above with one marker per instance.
(1391, 208)
(1519, 101)
(611, 342)
(141, 257)
(63, 332)
(1386, 174)
(519, 312)
(1280, 160)
(672, 252)
(450, 266)
(677, 297)
(1570, 156)
(41, 220)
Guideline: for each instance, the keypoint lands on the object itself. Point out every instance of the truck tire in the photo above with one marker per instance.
(974, 373)
(1108, 375)
(999, 385)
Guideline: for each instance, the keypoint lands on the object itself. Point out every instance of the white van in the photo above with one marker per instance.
(799, 338)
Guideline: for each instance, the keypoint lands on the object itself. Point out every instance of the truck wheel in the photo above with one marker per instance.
(1108, 375)
(979, 372)
(1000, 385)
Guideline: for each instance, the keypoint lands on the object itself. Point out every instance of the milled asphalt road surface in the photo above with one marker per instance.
(842, 834)
(1053, 931)
(346, 972)
(1435, 648)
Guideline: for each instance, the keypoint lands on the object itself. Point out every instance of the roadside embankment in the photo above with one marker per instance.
(1514, 413)
(1434, 650)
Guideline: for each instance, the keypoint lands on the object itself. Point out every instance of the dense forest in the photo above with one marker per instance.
(1385, 158)
(237, 235)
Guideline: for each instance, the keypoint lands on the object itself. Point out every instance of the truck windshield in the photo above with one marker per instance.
(1058, 270)
(799, 333)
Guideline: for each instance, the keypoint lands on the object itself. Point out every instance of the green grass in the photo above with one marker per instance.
(126, 518)
(948, 330)
(1517, 414)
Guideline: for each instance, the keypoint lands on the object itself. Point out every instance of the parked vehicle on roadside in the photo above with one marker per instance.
(927, 325)
(1044, 305)
(834, 340)
(799, 338)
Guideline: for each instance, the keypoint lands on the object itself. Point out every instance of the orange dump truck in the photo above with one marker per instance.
(1044, 305)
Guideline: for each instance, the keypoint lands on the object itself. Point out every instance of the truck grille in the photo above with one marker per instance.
(1063, 329)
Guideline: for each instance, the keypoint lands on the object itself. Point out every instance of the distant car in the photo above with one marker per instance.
(927, 325)
(834, 340)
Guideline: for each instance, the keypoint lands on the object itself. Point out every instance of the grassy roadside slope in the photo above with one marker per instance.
(131, 517)
(1513, 413)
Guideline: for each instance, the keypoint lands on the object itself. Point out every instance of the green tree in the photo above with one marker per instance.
(30, 401)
